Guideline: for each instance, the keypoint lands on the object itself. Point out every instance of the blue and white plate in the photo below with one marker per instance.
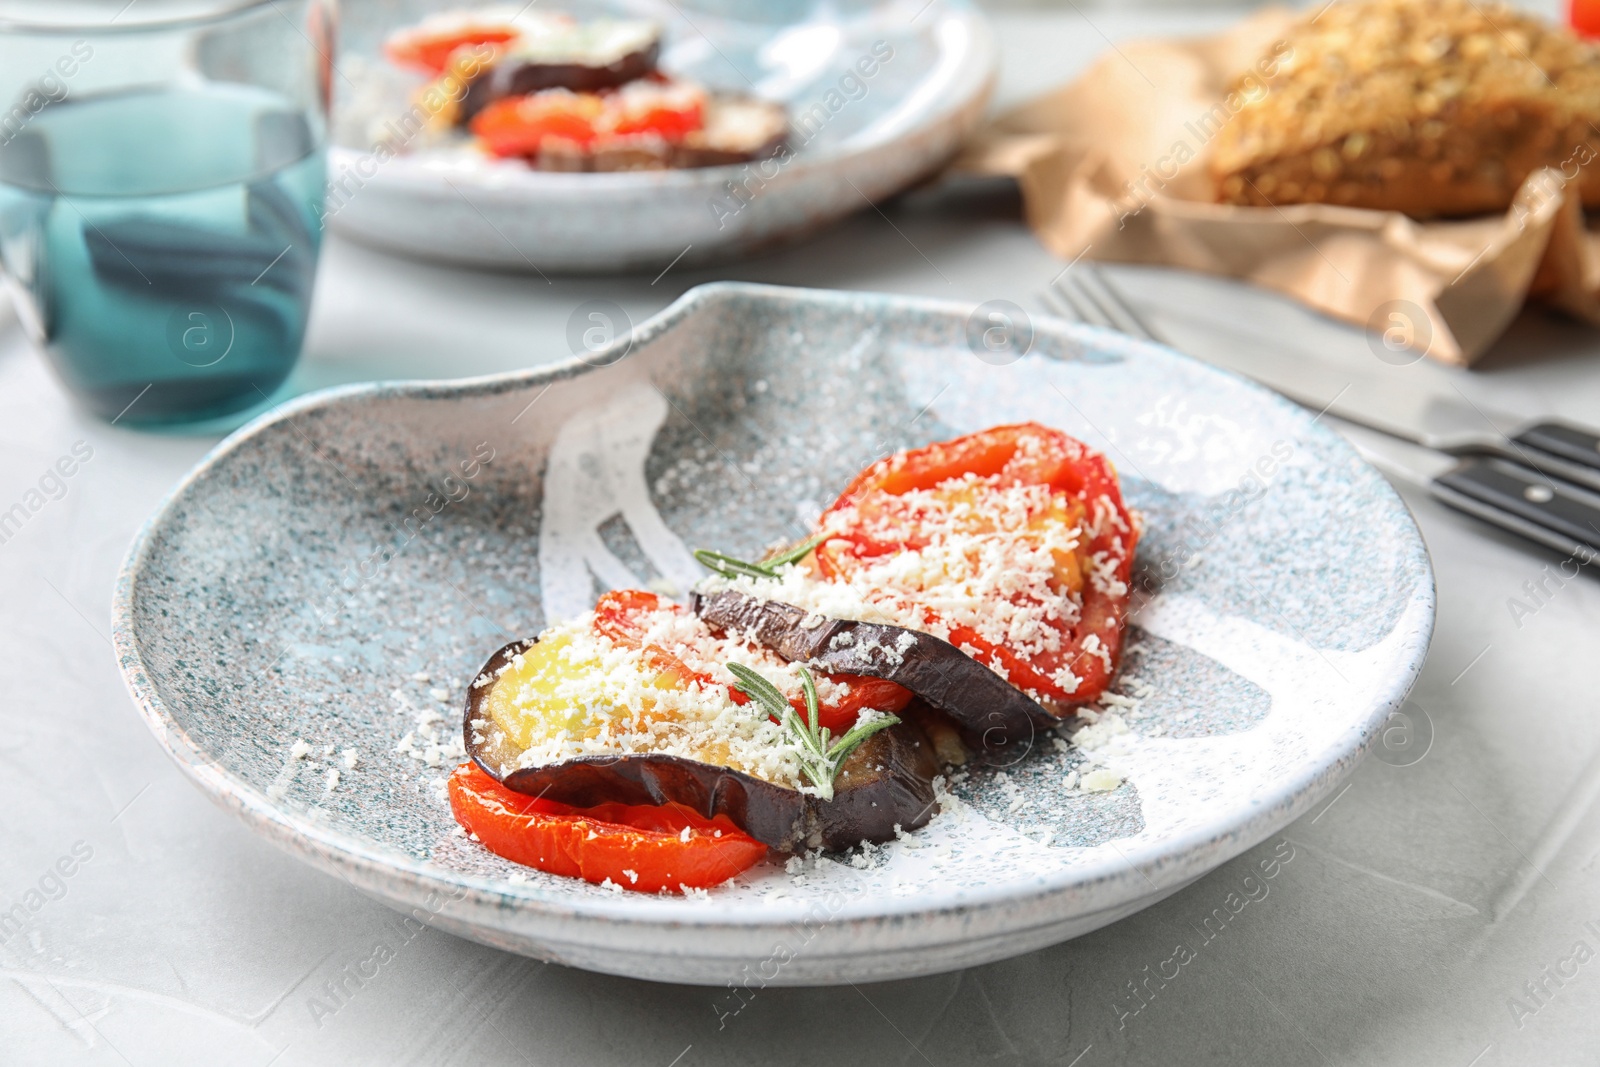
(857, 138)
(330, 577)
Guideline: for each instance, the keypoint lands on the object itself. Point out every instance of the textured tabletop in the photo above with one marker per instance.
(1442, 912)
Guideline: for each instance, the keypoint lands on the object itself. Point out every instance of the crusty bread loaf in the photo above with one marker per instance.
(1429, 107)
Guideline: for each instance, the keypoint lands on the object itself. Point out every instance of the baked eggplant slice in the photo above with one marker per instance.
(994, 715)
(884, 783)
(633, 153)
(738, 129)
(585, 58)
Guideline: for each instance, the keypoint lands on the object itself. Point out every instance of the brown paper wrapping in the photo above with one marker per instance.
(1115, 166)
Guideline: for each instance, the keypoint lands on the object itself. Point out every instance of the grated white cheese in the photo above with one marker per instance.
(578, 692)
(988, 565)
(558, 39)
(426, 742)
(1101, 780)
(1102, 731)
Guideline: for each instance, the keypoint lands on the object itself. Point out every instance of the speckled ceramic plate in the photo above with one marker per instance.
(333, 574)
(856, 137)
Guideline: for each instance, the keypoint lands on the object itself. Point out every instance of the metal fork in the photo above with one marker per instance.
(1498, 487)
(1082, 292)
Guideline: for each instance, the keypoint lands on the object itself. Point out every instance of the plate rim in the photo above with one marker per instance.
(1171, 861)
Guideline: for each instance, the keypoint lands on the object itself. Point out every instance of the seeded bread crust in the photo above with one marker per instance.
(1428, 107)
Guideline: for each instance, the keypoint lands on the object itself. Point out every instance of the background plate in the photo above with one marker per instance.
(871, 138)
(334, 572)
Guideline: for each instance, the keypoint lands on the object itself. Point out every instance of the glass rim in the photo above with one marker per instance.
(13, 25)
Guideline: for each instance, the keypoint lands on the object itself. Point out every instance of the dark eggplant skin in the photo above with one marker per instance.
(995, 716)
(703, 148)
(691, 154)
(651, 156)
(887, 782)
(518, 77)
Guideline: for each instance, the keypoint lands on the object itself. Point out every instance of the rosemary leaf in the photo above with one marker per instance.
(792, 555)
(849, 742)
(757, 688)
(820, 756)
(813, 705)
(729, 567)
(732, 567)
(809, 763)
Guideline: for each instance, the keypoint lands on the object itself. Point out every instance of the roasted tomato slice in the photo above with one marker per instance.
(428, 48)
(641, 847)
(669, 112)
(520, 125)
(1051, 616)
(623, 615)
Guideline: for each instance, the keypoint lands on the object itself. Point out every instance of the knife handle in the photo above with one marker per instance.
(1568, 445)
(1559, 516)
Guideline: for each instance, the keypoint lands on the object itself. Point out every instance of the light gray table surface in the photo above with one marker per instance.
(1417, 905)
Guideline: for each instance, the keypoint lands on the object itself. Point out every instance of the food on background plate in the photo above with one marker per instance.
(957, 600)
(1428, 107)
(585, 57)
(429, 46)
(566, 95)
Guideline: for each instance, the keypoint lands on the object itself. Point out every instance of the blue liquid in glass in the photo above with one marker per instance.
(163, 244)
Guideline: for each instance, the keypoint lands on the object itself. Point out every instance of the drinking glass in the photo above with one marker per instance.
(162, 169)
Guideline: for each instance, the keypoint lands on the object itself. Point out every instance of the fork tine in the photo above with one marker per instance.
(1089, 295)
(1115, 305)
(1084, 307)
(1053, 304)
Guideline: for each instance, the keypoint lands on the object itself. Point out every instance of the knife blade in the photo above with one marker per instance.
(1414, 403)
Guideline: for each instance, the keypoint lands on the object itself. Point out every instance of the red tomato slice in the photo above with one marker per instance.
(884, 523)
(668, 123)
(620, 615)
(519, 125)
(429, 51)
(637, 846)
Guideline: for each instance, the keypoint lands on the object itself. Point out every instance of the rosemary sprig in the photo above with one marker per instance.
(821, 755)
(729, 567)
